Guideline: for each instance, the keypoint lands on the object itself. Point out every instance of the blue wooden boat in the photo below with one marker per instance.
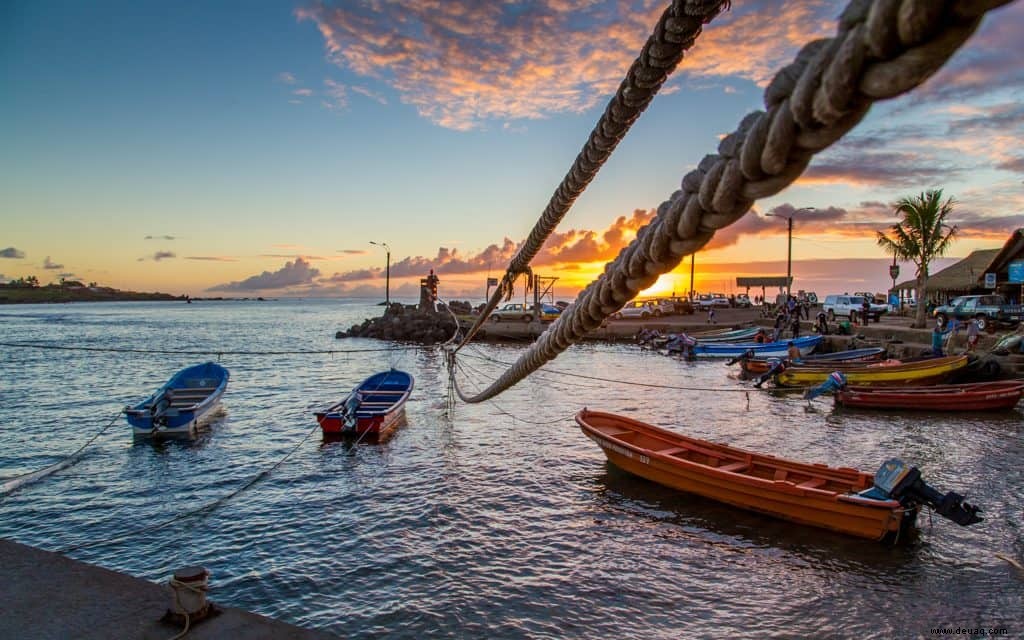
(183, 404)
(371, 410)
(779, 349)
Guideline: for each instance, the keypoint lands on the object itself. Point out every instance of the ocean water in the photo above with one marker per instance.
(500, 520)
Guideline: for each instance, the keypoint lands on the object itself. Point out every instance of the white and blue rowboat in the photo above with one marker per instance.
(778, 349)
(183, 404)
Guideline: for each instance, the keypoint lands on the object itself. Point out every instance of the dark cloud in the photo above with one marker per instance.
(988, 63)
(891, 169)
(1016, 164)
(291, 274)
(212, 258)
(159, 237)
(354, 252)
(49, 264)
(11, 252)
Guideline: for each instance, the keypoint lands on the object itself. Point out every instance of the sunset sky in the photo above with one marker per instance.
(257, 148)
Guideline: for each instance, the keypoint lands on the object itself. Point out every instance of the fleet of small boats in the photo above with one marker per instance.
(883, 506)
(181, 405)
(372, 410)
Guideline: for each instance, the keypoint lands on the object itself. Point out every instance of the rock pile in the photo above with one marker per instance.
(408, 323)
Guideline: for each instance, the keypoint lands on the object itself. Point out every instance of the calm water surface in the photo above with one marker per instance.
(485, 524)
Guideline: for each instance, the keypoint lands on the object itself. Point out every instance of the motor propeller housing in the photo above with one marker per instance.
(900, 482)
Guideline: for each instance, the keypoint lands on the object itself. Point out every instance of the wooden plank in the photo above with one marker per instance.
(813, 483)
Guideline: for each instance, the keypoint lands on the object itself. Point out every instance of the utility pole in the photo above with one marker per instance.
(387, 273)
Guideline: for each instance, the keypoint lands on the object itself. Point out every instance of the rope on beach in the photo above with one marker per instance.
(676, 31)
(208, 507)
(882, 48)
(14, 483)
(209, 352)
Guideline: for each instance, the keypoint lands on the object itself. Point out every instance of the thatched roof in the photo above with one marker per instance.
(962, 276)
(1011, 251)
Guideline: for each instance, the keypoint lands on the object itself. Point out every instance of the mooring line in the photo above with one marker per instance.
(512, 415)
(615, 381)
(188, 514)
(209, 352)
(14, 483)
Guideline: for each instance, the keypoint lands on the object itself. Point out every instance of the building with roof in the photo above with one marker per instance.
(968, 276)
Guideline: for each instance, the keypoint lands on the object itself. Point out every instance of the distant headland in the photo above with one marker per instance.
(28, 291)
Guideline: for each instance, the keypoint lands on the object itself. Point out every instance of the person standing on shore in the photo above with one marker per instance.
(777, 331)
(711, 314)
(939, 338)
(795, 325)
(973, 334)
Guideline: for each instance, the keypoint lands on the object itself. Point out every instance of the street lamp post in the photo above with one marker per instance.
(789, 247)
(387, 273)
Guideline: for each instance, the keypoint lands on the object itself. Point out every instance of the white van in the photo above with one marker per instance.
(851, 307)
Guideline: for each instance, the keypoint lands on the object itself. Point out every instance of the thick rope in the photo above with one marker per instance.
(675, 32)
(882, 48)
(12, 484)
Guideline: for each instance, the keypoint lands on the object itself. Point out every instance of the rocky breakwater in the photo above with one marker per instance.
(406, 323)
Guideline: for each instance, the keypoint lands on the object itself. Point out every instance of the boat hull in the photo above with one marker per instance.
(189, 400)
(982, 396)
(758, 366)
(924, 372)
(654, 453)
(778, 349)
(372, 411)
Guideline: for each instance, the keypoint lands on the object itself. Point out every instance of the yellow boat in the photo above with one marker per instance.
(876, 374)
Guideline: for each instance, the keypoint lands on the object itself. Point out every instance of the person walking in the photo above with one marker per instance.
(795, 326)
(711, 314)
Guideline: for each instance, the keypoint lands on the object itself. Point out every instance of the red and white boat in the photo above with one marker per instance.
(373, 410)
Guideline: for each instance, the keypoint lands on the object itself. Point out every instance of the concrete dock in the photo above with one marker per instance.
(47, 596)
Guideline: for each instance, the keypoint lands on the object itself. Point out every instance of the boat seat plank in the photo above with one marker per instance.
(671, 451)
(381, 391)
(194, 390)
(780, 474)
(813, 483)
(735, 467)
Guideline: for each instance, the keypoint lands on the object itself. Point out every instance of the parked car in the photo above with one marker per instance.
(743, 301)
(851, 307)
(518, 312)
(988, 310)
(681, 306)
(720, 300)
(703, 301)
(637, 309)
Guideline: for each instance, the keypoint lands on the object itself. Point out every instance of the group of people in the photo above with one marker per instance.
(941, 335)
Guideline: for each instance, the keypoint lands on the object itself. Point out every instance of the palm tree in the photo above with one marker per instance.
(921, 236)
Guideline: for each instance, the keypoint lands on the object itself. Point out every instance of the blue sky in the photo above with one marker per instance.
(257, 147)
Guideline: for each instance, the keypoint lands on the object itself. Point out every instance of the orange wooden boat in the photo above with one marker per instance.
(840, 499)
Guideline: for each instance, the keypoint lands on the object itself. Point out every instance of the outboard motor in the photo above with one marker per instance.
(896, 481)
(778, 367)
(743, 357)
(835, 381)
